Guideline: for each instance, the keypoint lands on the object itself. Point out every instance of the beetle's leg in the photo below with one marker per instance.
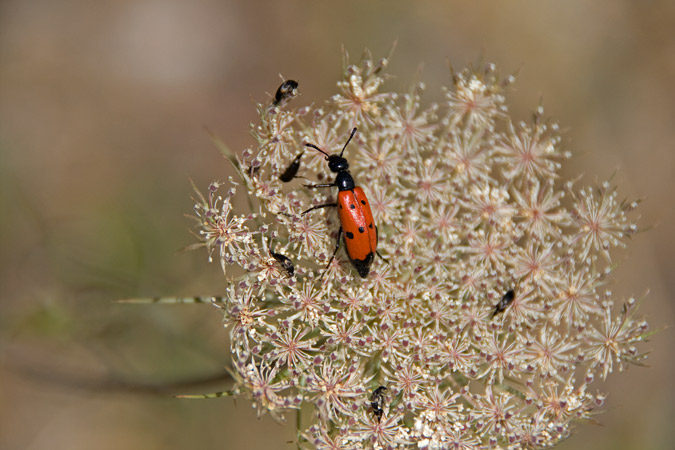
(312, 186)
(334, 205)
(377, 235)
(337, 247)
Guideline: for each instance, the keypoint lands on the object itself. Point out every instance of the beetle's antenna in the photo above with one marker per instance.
(317, 148)
(348, 140)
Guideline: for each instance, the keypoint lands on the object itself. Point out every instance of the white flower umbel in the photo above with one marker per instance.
(468, 206)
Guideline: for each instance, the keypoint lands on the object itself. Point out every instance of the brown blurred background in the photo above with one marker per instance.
(102, 108)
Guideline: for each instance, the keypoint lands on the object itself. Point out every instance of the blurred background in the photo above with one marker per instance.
(102, 114)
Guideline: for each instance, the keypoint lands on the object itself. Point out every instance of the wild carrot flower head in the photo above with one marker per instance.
(468, 205)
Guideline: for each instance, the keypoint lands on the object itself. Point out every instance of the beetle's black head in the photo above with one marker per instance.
(337, 163)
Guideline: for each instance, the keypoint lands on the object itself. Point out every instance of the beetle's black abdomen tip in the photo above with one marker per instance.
(363, 265)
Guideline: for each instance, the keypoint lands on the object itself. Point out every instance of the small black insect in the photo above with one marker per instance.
(285, 262)
(377, 402)
(286, 91)
(291, 170)
(253, 170)
(504, 303)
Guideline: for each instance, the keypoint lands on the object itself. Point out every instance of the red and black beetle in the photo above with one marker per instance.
(356, 219)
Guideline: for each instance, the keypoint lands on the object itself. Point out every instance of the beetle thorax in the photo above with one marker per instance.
(344, 181)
